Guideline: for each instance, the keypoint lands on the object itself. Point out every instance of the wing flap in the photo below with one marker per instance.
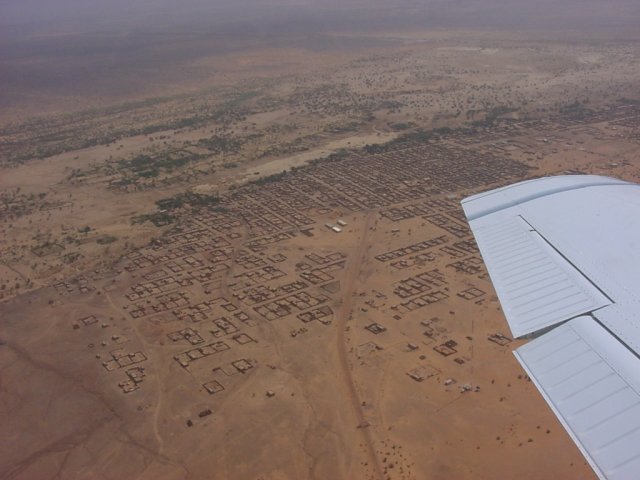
(538, 288)
(591, 381)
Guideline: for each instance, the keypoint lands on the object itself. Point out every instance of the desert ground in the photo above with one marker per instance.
(268, 274)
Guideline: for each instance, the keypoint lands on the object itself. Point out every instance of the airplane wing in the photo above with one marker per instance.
(564, 256)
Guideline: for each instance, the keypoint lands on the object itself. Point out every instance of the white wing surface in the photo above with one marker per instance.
(564, 256)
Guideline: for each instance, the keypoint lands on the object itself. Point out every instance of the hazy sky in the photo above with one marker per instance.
(66, 47)
(166, 13)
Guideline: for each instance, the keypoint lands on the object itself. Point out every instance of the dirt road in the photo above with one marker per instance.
(354, 266)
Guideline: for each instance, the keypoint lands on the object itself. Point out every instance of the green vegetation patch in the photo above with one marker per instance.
(338, 128)
(188, 199)
(106, 239)
(159, 219)
(221, 144)
(276, 177)
(148, 166)
(165, 216)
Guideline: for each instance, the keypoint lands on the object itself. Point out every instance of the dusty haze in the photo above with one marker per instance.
(73, 53)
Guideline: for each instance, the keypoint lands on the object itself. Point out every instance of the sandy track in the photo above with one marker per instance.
(350, 282)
